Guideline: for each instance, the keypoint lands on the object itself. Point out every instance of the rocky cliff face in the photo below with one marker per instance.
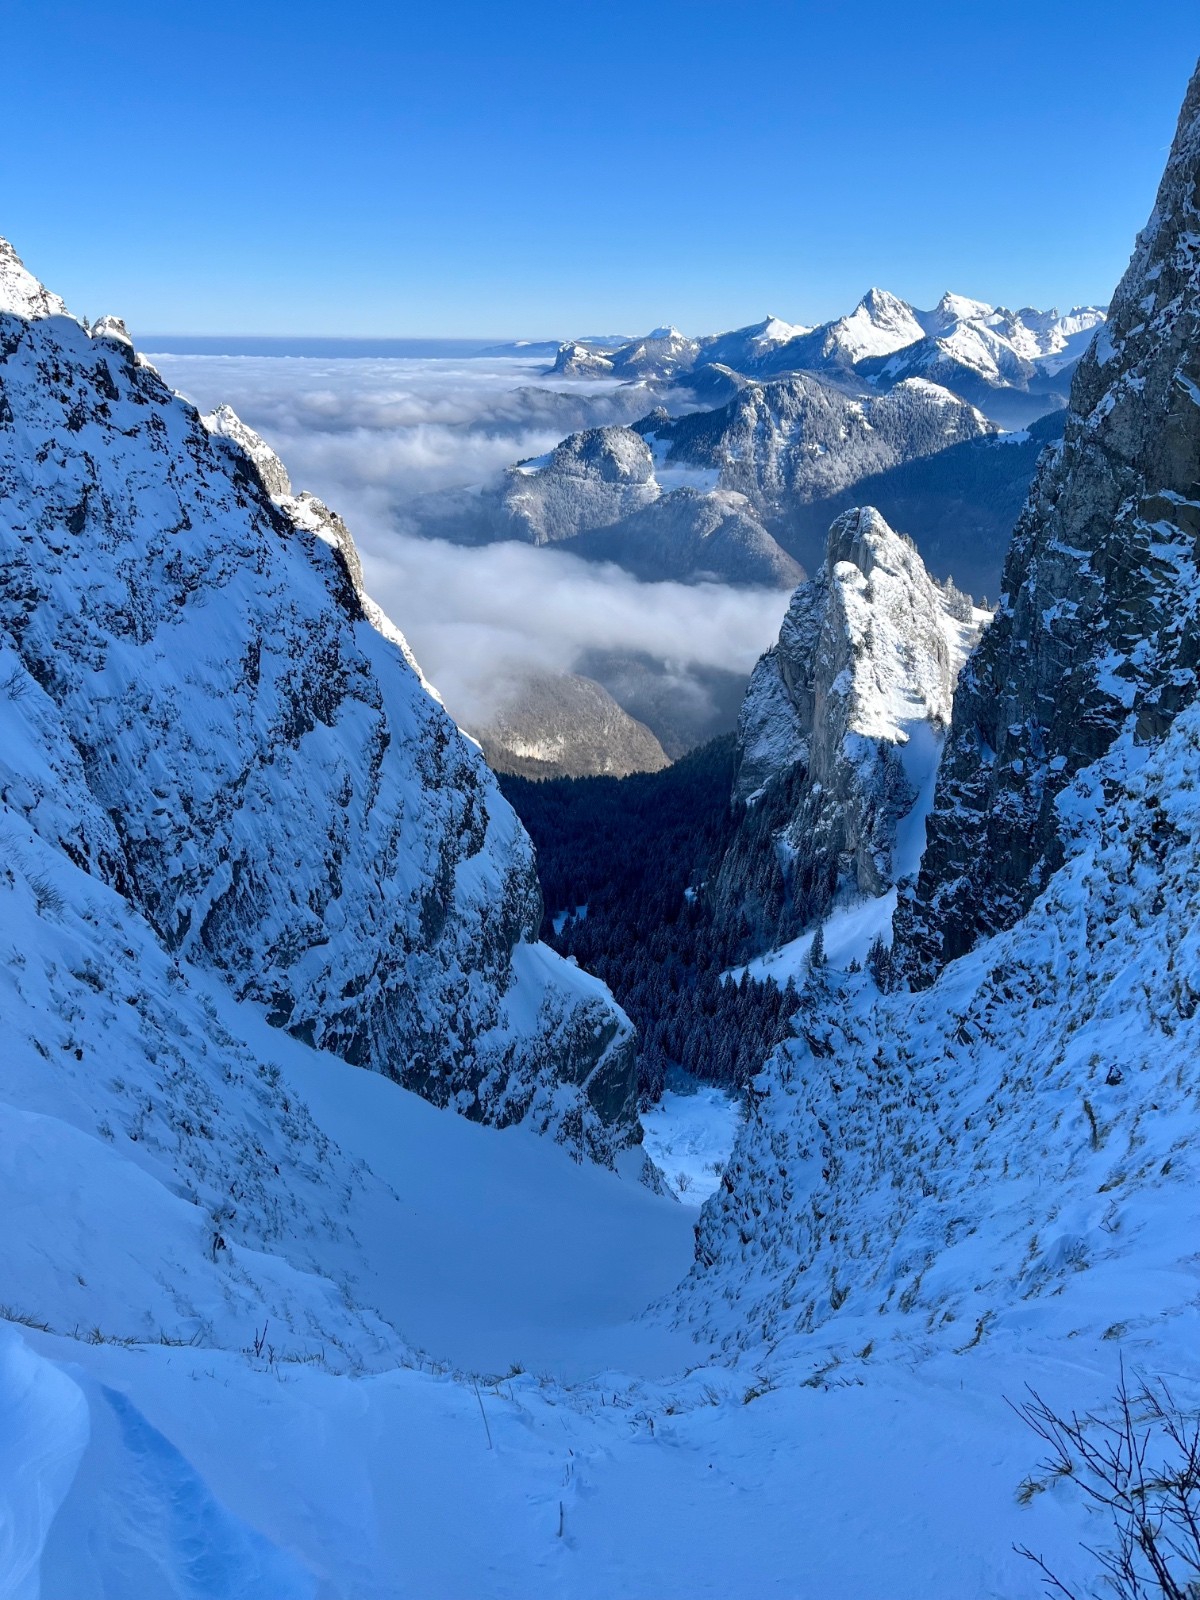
(800, 439)
(1013, 1139)
(841, 730)
(231, 736)
(1096, 638)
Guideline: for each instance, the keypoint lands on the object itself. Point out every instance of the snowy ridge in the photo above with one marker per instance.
(21, 295)
(986, 354)
(228, 740)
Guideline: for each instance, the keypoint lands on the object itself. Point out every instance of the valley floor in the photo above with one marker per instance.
(618, 1458)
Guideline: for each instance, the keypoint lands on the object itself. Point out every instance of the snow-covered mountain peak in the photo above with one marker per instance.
(893, 619)
(880, 324)
(869, 645)
(839, 738)
(21, 295)
(775, 331)
(952, 308)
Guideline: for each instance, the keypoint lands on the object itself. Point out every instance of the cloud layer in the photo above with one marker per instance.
(369, 435)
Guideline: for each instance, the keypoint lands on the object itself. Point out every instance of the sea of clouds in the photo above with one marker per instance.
(368, 435)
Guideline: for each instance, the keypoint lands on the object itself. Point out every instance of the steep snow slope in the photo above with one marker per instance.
(206, 713)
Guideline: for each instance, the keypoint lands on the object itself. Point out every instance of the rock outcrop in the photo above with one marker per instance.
(841, 731)
(230, 735)
(1096, 639)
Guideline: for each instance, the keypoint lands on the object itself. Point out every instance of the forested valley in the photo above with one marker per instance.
(627, 868)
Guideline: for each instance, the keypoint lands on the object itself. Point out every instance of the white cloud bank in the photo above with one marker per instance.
(368, 435)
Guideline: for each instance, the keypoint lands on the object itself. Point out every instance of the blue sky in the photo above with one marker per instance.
(550, 169)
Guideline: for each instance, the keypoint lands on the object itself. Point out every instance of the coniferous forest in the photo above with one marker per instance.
(626, 866)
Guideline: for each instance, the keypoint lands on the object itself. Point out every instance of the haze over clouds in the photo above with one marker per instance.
(369, 435)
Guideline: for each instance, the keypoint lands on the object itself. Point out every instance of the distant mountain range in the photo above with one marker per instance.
(1014, 365)
(712, 494)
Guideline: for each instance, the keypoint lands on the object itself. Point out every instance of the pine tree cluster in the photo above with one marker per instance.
(625, 868)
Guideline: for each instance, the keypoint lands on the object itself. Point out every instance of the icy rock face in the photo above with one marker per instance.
(843, 721)
(1097, 632)
(250, 758)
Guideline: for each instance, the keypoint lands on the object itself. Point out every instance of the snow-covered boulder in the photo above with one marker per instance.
(235, 740)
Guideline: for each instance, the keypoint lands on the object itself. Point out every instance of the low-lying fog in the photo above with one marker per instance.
(367, 435)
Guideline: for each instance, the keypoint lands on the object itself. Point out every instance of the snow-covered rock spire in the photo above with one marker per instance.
(841, 729)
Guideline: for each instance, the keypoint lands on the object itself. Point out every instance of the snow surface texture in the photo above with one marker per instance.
(689, 1134)
(204, 711)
